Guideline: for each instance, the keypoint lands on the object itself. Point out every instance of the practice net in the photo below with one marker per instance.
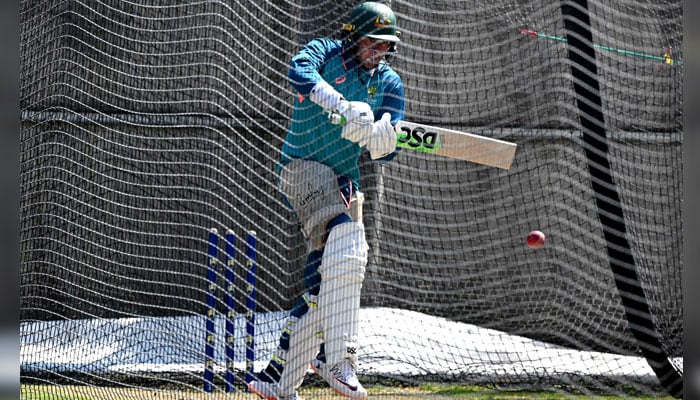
(145, 124)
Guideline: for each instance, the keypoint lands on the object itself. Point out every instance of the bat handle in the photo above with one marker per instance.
(336, 119)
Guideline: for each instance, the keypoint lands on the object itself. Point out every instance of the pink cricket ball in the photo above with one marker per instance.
(535, 239)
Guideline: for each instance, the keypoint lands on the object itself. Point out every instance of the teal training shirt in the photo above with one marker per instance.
(311, 136)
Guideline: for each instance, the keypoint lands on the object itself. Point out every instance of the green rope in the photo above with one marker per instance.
(666, 58)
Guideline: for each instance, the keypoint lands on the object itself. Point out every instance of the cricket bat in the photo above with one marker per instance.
(455, 144)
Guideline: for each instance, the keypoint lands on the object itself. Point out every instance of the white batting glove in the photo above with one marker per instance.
(358, 122)
(378, 137)
(355, 112)
(326, 96)
(332, 101)
(382, 141)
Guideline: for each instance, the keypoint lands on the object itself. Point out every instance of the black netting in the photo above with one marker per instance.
(145, 124)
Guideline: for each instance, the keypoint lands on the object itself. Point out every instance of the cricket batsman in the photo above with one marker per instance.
(320, 180)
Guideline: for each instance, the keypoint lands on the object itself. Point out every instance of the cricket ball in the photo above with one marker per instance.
(535, 239)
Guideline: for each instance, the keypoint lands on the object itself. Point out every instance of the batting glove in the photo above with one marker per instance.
(377, 137)
(326, 96)
(358, 124)
(356, 112)
(341, 111)
(382, 141)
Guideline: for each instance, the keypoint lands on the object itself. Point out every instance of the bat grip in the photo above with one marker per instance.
(336, 119)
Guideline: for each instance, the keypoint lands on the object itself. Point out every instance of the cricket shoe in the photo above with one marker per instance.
(270, 391)
(341, 377)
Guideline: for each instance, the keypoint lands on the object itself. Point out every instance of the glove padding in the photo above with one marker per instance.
(357, 121)
(378, 138)
(356, 112)
(326, 96)
(345, 111)
(383, 139)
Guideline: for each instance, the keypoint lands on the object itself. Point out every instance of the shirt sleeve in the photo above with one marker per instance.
(305, 66)
(393, 101)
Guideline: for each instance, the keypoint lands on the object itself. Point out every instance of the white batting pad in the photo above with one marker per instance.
(303, 346)
(342, 272)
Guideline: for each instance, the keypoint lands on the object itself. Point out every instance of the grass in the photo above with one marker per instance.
(422, 392)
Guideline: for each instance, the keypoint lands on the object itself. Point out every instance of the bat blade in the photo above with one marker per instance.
(455, 144)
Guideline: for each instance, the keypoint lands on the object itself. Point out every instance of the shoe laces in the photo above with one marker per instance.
(345, 371)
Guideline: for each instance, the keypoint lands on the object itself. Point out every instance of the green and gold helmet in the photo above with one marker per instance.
(373, 20)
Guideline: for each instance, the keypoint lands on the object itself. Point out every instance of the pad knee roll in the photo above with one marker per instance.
(345, 252)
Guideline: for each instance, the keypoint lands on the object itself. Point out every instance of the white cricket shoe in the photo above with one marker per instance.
(341, 378)
(270, 391)
(266, 390)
